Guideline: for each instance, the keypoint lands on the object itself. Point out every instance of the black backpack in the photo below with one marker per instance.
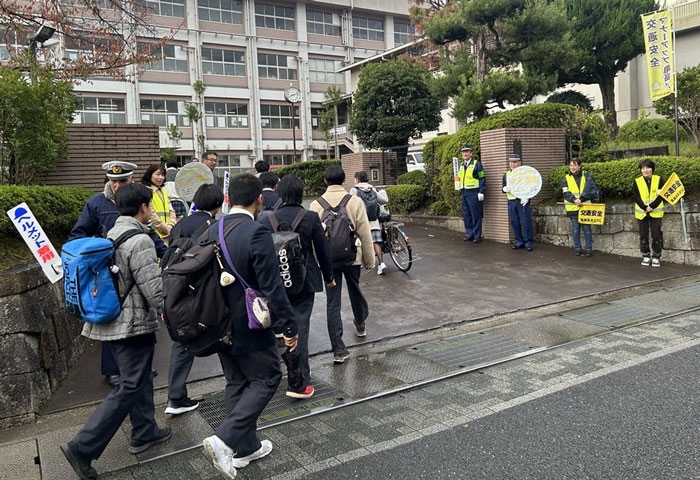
(266, 211)
(178, 245)
(340, 231)
(370, 199)
(194, 304)
(290, 256)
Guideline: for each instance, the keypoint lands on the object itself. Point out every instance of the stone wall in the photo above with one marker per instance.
(618, 236)
(39, 342)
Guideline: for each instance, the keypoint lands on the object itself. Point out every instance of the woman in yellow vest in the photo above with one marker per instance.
(163, 217)
(579, 187)
(649, 210)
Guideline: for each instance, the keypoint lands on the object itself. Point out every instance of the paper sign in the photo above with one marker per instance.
(673, 190)
(592, 213)
(524, 182)
(455, 169)
(227, 182)
(190, 177)
(37, 241)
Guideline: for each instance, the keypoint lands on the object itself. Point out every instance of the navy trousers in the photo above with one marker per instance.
(471, 212)
(360, 308)
(521, 222)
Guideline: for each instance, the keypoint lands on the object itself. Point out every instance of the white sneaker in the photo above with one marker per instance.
(655, 262)
(381, 268)
(646, 261)
(221, 454)
(265, 449)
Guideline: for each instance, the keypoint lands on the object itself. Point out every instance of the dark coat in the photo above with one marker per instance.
(253, 253)
(313, 240)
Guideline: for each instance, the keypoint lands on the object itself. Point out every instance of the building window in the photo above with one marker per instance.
(229, 163)
(9, 43)
(316, 114)
(164, 113)
(324, 71)
(164, 8)
(278, 116)
(221, 11)
(279, 159)
(323, 23)
(226, 115)
(77, 47)
(278, 17)
(404, 33)
(368, 29)
(100, 110)
(169, 58)
(223, 62)
(277, 66)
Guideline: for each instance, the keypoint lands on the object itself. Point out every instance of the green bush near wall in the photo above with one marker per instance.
(651, 130)
(311, 173)
(616, 178)
(55, 208)
(404, 199)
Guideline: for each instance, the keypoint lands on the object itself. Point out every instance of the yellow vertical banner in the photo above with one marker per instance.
(658, 42)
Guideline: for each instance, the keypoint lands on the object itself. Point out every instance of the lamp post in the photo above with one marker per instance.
(42, 35)
(293, 95)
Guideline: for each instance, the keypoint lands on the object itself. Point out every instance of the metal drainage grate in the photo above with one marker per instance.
(609, 314)
(471, 350)
(212, 407)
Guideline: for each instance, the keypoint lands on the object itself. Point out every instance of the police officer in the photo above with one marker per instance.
(472, 187)
(519, 210)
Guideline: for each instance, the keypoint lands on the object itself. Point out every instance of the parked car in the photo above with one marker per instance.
(414, 161)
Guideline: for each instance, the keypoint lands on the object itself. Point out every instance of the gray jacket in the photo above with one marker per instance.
(138, 266)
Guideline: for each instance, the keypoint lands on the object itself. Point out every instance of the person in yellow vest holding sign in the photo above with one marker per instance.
(519, 209)
(472, 185)
(649, 211)
(578, 188)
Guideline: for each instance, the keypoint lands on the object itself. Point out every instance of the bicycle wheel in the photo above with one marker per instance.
(400, 249)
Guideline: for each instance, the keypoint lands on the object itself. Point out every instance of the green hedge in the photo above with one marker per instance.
(416, 177)
(616, 178)
(651, 130)
(404, 199)
(311, 173)
(55, 208)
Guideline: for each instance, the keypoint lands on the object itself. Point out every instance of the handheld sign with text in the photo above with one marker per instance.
(37, 241)
(673, 190)
(592, 213)
(525, 182)
(227, 182)
(455, 170)
(190, 177)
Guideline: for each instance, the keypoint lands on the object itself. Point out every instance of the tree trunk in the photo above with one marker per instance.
(480, 45)
(607, 90)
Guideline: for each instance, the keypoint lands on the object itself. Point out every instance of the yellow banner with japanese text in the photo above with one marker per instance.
(658, 42)
(673, 190)
(592, 213)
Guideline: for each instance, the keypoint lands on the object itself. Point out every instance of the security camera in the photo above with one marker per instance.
(42, 35)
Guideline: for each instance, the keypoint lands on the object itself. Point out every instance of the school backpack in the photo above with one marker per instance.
(371, 203)
(290, 256)
(91, 279)
(179, 245)
(340, 231)
(266, 211)
(194, 304)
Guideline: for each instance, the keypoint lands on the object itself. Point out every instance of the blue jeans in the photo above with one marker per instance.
(576, 234)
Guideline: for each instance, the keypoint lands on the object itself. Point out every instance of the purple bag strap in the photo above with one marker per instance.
(222, 243)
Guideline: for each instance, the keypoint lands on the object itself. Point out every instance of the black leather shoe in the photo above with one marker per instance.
(518, 247)
(81, 467)
(162, 435)
(112, 380)
(468, 239)
(477, 240)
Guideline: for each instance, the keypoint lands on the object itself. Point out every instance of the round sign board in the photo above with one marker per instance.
(190, 177)
(525, 182)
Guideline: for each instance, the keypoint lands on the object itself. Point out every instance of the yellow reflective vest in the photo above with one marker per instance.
(648, 195)
(466, 175)
(160, 206)
(509, 195)
(576, 190)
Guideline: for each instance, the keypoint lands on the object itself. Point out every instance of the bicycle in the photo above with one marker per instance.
(396, 243)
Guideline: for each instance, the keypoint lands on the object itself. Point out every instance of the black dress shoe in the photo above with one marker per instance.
(468, 239)
(81, 467)
(518, 247)
(477, 240)
(112, 380)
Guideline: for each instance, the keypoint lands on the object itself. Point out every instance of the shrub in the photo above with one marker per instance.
(311, 173)
(651, 130)
(571, 97)
(416, 177)
(441, 208)
(404, 199)
(55, 208)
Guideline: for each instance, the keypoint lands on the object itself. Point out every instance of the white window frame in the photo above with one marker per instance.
(364, 28)
(225, 115)
(222, 61)
(278, 116)
(277, 17)
(173, 58)
(106, 110)
(323, 70)
(403, 31)
(163, 112)
(273, 65)
(323, 23)
(163, 8)
(217, 11)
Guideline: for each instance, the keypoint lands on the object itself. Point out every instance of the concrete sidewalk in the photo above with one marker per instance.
(459, 298)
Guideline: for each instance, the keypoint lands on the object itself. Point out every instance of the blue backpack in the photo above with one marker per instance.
(90, 278)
